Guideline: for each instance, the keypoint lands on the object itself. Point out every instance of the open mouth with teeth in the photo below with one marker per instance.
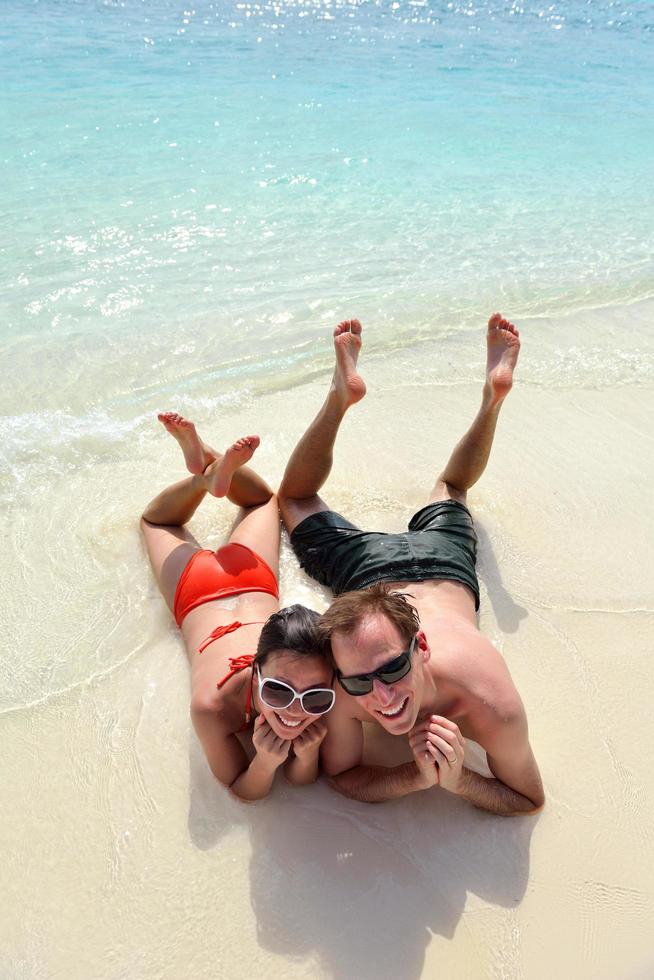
(288, 723)
(394, 711)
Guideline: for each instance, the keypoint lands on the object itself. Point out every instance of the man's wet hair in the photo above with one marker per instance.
(348, 611)
(292, 630)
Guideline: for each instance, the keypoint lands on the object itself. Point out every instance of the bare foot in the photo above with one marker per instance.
(219, 473)
(196, 455)
(503, 348)
(347, 385)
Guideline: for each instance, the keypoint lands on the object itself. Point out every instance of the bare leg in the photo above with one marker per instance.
(470, 456)
(220, 475)
(170, 545)
(258, 528)
(311, 460)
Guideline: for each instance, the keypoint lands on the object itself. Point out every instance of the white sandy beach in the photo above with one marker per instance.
(125, 860)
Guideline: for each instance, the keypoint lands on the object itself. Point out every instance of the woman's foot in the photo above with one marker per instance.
(196, 455)
(218, 474)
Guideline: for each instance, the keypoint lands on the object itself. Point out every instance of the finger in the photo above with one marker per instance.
(439, 732)
(450, 731)
(259, 721)
(418, 736)
(444, 746)
(440, 759)
(446, 723)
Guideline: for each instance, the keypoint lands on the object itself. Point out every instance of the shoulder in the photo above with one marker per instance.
(469, 661)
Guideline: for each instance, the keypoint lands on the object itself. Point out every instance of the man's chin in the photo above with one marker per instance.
(400, 723)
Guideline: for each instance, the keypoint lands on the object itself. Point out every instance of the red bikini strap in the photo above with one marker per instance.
(221, 631)
(235, 665)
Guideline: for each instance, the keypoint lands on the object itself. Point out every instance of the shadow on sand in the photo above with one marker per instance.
(507, 611)
(361, 887)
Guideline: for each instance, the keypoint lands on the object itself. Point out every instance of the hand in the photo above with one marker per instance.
(422, 757)
(270, 749)
(446, 745)
(309, 741)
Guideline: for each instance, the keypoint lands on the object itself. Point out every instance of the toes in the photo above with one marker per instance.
(348, 326)
(495, 320)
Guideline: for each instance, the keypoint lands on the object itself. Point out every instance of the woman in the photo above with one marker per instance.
(226, 604)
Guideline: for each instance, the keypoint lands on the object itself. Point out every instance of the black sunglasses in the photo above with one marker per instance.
(394, 670)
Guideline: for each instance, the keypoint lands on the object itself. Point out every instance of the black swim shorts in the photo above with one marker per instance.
(440, 544)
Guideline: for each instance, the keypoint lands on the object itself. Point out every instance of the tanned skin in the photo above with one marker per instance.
(459, 686)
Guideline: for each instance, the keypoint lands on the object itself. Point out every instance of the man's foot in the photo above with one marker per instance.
(503, 348)
(348, 386)
(196, 455)
(219, 473)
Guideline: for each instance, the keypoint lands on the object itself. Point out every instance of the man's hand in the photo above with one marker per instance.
(271, 750)
(310, 740)
(438, 749)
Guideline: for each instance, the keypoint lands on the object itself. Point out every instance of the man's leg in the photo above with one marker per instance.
(470, 456)
(311, 460)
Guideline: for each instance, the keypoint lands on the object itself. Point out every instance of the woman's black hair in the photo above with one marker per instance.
(291, 630)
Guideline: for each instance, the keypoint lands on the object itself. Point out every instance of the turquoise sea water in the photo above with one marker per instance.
(252, 163)
(192, 193)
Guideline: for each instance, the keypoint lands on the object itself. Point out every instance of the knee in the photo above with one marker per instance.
(294, 511)
(446, 491)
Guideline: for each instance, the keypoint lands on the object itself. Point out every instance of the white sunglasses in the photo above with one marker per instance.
(279, 694)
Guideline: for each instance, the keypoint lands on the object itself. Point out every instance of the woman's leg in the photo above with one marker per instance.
(170, 549)
(170, 545)
(226, 473)
(258, 528)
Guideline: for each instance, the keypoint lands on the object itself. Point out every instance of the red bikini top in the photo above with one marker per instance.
(236, 664)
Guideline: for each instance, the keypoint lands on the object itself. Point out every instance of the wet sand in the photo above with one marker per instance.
(124, 858)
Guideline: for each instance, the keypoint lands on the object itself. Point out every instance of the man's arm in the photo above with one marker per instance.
(341, 755)
(376, 784)
(516, 788)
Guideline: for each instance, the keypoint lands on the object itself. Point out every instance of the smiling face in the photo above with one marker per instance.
(376, 642)
(302, 673)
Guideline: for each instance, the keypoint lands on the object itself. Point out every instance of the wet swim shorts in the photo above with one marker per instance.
(440, 544)
(231, 570)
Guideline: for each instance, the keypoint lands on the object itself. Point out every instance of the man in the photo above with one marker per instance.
(426, 672)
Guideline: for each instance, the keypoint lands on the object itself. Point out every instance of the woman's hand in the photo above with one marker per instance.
(310, 739)
(303, 767)
(271, 750)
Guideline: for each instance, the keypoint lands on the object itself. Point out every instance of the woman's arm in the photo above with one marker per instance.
(228, 760)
